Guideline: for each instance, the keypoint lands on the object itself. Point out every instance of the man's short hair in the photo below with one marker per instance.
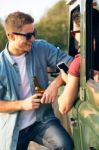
(76, 16)
(16, 20)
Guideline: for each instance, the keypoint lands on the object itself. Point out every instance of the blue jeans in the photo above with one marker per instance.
(50, 134)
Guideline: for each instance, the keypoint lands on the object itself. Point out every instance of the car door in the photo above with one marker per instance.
(84, 116)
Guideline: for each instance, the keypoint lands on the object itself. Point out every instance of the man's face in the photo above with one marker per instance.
(21, 41)
(76, 30)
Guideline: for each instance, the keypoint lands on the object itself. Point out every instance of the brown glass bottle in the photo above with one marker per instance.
(37, 87)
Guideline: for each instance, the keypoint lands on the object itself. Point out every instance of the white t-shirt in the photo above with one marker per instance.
(26, 118)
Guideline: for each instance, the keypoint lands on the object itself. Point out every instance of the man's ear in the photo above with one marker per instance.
(11, 36)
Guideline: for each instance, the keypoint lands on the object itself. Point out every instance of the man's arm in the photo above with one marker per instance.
(9, 106)
(69, 94)
(64, 75)
(28, 104)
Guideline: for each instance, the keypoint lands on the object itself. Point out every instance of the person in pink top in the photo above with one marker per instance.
(66, 99)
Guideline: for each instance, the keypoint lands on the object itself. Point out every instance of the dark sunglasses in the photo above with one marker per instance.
(73, 33)
(28, 35)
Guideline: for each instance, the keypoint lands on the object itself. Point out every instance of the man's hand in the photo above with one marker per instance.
(50, 94)
(30, 103)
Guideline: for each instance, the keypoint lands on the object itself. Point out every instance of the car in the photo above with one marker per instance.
(84, 116)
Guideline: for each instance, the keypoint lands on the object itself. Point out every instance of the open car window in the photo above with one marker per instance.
(92, 42)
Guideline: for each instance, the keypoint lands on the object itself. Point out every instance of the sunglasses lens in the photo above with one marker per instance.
(28, 36)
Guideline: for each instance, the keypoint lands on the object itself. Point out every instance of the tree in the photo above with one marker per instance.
(3, 38)
(53, 26)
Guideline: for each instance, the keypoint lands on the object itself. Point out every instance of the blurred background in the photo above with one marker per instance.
(51, 20)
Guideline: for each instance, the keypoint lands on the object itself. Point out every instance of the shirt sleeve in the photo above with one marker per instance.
(1, 90)
(74, 68)
(55, 55)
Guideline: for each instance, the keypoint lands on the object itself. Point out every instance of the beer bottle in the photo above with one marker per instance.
(37, 87)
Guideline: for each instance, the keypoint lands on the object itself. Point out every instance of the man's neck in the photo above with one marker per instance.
(13, 51)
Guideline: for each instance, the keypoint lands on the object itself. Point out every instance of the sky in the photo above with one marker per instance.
(37, 8)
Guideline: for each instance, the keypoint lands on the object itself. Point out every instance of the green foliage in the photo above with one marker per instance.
(3, 38)
(53, 26)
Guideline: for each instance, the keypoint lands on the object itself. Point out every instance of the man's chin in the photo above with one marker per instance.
(28, 49)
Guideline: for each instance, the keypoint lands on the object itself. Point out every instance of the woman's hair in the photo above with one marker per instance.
(16, 20)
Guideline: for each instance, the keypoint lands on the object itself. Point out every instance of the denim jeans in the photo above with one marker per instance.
(49, 134)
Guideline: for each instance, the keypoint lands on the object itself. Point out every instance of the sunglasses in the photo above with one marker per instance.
(28, 35)
(73, 33)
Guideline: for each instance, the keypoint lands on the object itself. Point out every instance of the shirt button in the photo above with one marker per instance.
(19, 84)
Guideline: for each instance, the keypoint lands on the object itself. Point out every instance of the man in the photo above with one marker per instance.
(23, 116)
(69, 94)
